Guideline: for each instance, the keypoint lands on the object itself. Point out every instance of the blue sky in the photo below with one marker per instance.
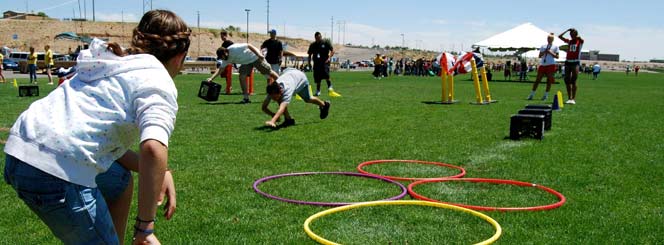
(633, 29)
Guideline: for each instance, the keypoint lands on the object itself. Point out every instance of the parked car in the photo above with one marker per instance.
(188, 59)
(8, 64)
(206, 58)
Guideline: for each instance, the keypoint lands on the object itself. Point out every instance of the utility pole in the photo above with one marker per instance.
(93, 10)
(344, 39)
(338, 31)
(268, 15)
(332, 32)
(247, 10)
(198, 21)
(403, 42)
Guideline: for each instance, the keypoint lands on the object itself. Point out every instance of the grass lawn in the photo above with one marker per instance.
(605, 154)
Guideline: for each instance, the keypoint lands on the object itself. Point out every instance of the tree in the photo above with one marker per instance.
(42, 14)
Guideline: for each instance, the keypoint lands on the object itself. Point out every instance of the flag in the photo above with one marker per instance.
(445, 61)
(15, 84)
(463, 66)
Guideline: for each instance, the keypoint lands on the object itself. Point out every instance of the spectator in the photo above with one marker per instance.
(572, 63)
(378, 66)
(636, 70)
(321, 51)
(548, 55)
(274, 51)
(32, 65)
(596, 70)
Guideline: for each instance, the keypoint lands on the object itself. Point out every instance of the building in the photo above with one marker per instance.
(22, 16)
(660, 60)
(594, 55)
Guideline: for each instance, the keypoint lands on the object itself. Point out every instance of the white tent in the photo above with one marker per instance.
(524, 39)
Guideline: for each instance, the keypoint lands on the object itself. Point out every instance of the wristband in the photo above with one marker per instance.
(144, 231)
(144, 221)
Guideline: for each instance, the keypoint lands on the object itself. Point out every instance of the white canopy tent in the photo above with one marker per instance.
(521, 39)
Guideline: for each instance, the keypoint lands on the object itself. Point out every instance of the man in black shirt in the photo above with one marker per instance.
(275, 51)
(321, 51)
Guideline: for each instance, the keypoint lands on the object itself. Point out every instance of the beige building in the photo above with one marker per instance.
(22, 16)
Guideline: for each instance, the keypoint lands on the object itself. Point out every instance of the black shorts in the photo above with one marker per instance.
(321, 72)
(571, 65)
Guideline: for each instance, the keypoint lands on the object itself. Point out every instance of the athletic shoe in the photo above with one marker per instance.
(573, 102)
(530, 97)
(545, 97)
(317, 93)
(245, 101)
(333, 94)
(324, 110)
(287, 122)
(569, 102)
(50, 83)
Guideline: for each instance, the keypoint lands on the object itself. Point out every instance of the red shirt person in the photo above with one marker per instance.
(572, 62)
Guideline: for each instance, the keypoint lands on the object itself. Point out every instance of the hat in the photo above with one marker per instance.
(273, 31)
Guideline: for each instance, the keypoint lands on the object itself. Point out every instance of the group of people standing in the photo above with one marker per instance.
(547, 67)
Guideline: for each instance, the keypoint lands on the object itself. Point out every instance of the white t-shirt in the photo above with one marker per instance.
(596, 68)
(292, 81)
(81, 127)
(240, 54)
(548, 59)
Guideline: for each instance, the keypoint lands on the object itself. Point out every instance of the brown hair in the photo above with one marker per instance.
(160, 33)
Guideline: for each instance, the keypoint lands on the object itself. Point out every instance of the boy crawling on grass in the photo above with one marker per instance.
(290, 83)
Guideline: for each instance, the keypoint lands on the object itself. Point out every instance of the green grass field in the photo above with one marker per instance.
(605, 154)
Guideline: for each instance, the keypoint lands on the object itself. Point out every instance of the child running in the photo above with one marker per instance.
(290, 83)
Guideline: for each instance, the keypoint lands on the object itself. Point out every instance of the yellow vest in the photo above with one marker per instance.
(2, 57)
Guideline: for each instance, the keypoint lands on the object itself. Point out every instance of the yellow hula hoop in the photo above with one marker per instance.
(321, 240)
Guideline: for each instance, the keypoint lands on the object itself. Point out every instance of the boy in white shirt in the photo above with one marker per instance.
(282, 91)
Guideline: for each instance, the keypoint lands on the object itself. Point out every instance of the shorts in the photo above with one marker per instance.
(304, 91)
(75, 214)
(321, 72)
(549, 69)
(262, 66)
(571, 65)
(113, 182)
(49, 66)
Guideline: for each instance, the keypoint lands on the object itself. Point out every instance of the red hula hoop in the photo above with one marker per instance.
(359, 168)
(561, 198)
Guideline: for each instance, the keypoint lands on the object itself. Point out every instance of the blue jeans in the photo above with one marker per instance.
(33, 72)
(75, 214)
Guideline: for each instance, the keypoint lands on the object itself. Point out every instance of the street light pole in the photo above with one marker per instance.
(247, 10)
(198, 22)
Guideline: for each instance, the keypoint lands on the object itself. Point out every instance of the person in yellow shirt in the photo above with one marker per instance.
(378, 66)
(32, 65)
(48, 61)
(2, 58)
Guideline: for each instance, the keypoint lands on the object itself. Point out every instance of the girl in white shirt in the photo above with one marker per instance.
(61, 143)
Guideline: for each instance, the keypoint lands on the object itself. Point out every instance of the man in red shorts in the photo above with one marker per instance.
(572, 62)
(548, 55)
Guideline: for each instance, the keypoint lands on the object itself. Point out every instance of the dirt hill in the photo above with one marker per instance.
(38, 33)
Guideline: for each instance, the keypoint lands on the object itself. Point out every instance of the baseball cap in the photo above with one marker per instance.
(273, 31)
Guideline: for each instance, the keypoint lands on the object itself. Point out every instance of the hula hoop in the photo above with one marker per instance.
(561, 198)
(259, 181)
(321, 240)
(359, 168)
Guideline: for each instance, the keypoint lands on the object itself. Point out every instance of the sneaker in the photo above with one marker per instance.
(569, 102)
(324, 110)
(573, 102)
(50, 83)
(333, 94)
(317, 93)
(245, 101)
(530, 97)
(545, 97)
(287, 122)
